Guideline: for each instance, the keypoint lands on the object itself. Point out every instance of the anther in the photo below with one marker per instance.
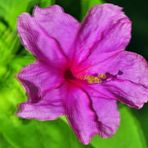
(94, 79)
(102, 76)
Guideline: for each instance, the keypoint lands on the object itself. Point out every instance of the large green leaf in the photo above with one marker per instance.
(9, 42)
(35, 134)
(142, 116)
(11, 9)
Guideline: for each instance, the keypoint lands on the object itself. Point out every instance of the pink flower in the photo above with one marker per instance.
(81, 70)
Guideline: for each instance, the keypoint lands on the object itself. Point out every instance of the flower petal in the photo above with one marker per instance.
(106, 28)
(133, 67)
(58, 24)
(49, 107)
(108, 116)
(128, 92)
(37, 78)
(90, 116)
(43, 46)
(133, 85)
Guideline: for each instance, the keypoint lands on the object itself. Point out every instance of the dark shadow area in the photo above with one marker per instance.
(72, 7)
(137, 11)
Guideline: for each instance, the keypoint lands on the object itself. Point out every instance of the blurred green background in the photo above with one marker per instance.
(20, 133)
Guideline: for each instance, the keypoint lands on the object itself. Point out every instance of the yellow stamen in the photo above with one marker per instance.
(97, 80)
(93, 79)
(102, 76)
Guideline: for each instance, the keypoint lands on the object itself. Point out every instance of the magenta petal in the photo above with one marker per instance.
(68, 56)
(106, 28)
(128, 92)
(43, 46)
(133, 66)
(38, 78)
(91, 116)
(49, 107)
(108, 116)
(58, 24)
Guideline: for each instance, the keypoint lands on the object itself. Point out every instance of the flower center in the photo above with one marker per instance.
(68, 75)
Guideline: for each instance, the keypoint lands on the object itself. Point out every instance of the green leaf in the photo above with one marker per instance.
(129, 134)
(143, 119)
(9, 13)
(36, 134)
(87, 4)
(9, 42)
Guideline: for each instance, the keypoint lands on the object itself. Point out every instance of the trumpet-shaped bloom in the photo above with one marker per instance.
(81, 69)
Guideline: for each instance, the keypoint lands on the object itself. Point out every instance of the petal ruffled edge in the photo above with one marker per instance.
(49, 107)
(87, 120)
(106, 28)
(130, 93)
